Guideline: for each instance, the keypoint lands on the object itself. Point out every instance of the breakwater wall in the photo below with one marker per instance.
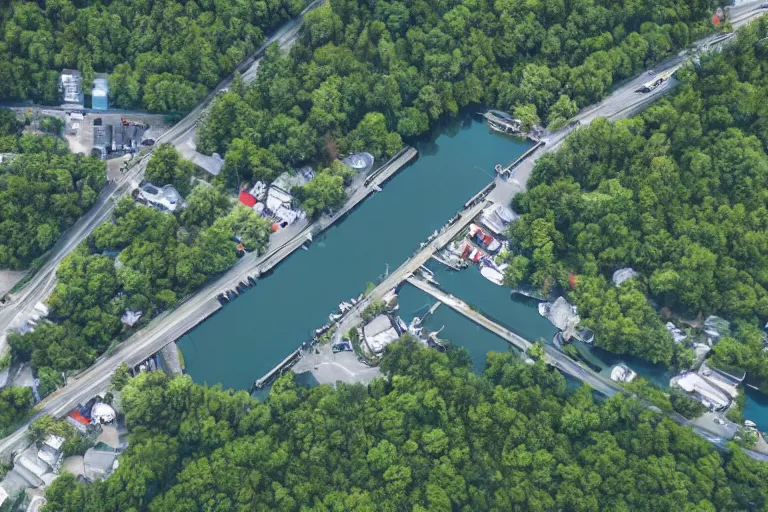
(283, 365)
(508, 169)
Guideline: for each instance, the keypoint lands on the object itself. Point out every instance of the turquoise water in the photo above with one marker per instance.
(253, 333)
(497, 303)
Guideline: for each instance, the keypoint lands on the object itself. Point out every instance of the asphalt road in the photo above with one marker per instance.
(95, 379)
(43, 282)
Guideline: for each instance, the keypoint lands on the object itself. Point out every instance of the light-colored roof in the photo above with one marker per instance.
(54, 442)
(496, 217)
(98, 463)
(379, 333)
(623, 274)
(358, 161)
(102, 413)
(129, 318)
(277, 197)
(694, 383)
(166, 197)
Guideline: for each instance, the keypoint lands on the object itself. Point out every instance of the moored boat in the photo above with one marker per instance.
(492, 274)
(483, 239)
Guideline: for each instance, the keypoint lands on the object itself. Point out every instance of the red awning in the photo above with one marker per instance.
(247, 199)
(79, 417)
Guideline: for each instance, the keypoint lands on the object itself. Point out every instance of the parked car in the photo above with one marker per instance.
(719, 421)
(148, 142)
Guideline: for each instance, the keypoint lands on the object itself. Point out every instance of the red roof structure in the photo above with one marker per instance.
(79, 417)
(247, 199)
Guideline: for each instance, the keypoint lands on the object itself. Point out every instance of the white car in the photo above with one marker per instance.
(719, 421)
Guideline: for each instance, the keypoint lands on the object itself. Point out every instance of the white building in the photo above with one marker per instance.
(497, 217)
(379, 332)
(71, 87)
(702, 390)
(50, 452)
(165, 198)
(622, 373)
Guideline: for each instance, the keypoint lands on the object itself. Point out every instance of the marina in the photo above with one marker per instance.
(246, 339)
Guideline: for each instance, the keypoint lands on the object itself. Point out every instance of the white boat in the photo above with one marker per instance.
(544, 309)
(492, 275)
(750, 424)
(334, 317)
(344, 306)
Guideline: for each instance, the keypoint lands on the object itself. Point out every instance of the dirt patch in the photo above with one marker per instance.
(73, 465)
(109, 436)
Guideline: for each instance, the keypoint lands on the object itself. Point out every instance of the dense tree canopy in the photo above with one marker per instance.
(15, 403)
(677, 193)
(43, 191)
(432, 436)
(363, 75)
(162, 56)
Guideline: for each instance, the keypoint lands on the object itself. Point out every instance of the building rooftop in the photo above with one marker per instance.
(71, 86)
(379, 333)
(708, 394)
(288, 180)
(359, 161)
(165, 198)
(497, 217)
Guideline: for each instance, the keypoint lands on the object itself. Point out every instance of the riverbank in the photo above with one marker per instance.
(250, 335)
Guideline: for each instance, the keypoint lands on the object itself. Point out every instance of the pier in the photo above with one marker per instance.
(463, 308)
(508, 169)
(283, 365)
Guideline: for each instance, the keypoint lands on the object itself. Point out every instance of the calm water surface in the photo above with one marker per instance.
(253, 333)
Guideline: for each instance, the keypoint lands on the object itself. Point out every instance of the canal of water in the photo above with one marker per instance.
(254, 332)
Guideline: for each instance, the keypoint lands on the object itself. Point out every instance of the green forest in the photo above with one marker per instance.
(365, 75)
(143, 260)
(161, 56)
(431, 436)
(43, 191)
(677, 193)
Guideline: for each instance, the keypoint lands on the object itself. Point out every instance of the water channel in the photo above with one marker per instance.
(253, 333)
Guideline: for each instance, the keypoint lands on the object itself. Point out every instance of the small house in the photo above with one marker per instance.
(165, 199)
(71, 87)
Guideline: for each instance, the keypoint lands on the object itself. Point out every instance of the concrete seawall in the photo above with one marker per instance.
(523, 157)
(372, 181)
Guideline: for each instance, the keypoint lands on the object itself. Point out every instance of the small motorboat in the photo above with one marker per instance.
(344, 306)
(334, 317)
(492, 274)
